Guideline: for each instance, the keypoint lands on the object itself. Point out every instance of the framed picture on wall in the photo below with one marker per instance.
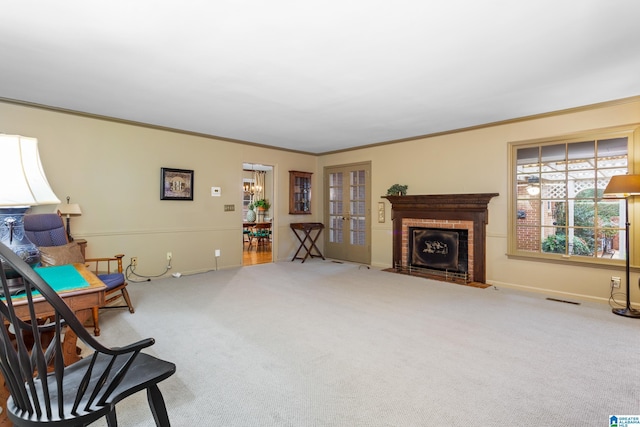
(176, 184)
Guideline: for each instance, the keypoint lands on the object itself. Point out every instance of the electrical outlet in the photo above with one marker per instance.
(615, 282)
(134, 261)
(217, 253)
(169, 256)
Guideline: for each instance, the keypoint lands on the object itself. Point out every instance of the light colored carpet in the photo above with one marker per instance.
(328, 344)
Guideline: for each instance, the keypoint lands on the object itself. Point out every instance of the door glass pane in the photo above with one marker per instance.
(336, 210)
(357, 208)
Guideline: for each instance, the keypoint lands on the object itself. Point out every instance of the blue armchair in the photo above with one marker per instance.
(48, 233)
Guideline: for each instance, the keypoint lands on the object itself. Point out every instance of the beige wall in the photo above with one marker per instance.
(475, 161)
(112, 170)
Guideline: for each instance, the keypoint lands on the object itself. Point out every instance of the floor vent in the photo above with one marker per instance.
(564, 301)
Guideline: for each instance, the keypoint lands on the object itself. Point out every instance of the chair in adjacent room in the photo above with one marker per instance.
(45, 391)
(260, 234)
(47, 232)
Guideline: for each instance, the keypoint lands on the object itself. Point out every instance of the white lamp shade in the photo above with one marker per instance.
(23, 180)
(621, 186)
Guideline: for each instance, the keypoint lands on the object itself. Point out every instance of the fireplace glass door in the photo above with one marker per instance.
(348, 213)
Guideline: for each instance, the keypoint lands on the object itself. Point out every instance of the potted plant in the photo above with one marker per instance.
(262, 205)
(397, 190)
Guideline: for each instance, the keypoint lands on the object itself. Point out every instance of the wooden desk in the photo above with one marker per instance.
(304, 232)
(81, 301)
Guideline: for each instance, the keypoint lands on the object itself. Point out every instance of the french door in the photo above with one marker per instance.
(348, 212)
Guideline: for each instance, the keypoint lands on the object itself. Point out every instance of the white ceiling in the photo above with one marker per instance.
(318, 76)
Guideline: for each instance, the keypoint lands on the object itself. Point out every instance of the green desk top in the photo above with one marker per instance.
(62, 277)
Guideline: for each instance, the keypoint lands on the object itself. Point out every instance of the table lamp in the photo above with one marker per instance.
(24, 184)
(625, 186)
(69, 210)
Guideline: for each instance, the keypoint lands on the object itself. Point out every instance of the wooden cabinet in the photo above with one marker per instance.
(299, 192)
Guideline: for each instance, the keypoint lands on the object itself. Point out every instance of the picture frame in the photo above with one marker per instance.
(176, 184)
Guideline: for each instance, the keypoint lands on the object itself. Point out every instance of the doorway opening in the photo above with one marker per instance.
(257, 213)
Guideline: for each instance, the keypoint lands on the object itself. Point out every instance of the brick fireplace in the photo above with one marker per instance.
(442, 212)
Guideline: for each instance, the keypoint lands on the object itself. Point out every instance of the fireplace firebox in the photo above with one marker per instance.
(439, 249)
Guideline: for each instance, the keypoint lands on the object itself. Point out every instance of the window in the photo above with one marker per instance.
(557, 209)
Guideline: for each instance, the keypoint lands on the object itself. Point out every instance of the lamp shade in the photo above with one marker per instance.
(23, 180)
(623, 186)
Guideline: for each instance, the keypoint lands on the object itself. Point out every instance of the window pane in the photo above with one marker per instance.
(554, 240)
(580, 151)
(609, 213)
(554, 185)
(528, 212)
(554, 156)
(554, 213)
(584, 212)
(528, 238)
(613, 148)
(583, 184)
(581, 241)
(528, 186)
(528, 155)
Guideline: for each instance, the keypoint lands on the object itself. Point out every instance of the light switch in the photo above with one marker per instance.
(215, 192)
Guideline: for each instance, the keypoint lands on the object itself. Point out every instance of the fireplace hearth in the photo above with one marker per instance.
(456, 217)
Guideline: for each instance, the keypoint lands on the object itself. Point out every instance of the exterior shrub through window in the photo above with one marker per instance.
(557, 199)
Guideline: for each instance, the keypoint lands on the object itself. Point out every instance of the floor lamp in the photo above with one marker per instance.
(625, 186)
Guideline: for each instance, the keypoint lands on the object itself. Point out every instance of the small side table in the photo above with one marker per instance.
(304, 231)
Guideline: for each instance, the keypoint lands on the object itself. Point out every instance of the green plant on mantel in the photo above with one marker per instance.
(397, 190)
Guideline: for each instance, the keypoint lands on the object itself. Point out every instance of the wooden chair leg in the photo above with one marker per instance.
(125, 295)
(158, 408)
(96, 325)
